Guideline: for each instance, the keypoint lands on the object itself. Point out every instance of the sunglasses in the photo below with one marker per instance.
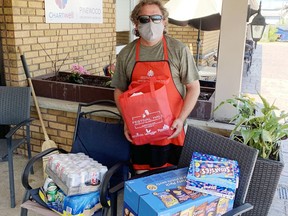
(146, 19)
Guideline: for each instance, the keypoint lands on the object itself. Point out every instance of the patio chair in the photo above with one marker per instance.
(199, 140)
(103, 141)
(15, 117)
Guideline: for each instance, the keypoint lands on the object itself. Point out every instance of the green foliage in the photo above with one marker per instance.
(258, 126)
(272, 36)
(76, 78)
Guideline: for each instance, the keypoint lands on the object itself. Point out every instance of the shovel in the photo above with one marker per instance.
(47, 143)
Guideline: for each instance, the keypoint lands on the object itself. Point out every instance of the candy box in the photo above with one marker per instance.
(211, 166)
(165, 194)
(213, 175)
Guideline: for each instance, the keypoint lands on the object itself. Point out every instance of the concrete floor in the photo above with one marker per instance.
(35, 180)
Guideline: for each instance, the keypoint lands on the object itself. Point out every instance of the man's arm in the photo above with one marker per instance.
(192, 94)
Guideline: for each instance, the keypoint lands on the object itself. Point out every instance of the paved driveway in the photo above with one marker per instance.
(269, 73)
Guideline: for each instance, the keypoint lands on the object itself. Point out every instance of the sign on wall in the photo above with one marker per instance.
(73, 11)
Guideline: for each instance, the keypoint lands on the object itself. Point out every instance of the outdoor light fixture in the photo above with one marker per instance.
(257, 26)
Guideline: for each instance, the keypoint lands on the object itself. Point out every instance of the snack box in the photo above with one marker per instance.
(213, 175)
(165, 194)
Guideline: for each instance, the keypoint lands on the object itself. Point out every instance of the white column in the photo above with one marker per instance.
(231, 54)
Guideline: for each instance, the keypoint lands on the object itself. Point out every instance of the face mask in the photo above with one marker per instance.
(151, 31)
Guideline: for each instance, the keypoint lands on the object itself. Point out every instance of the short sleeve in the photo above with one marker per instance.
(188, 69)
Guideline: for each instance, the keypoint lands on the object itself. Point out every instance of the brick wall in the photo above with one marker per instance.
(122, 37)
(23, 25)
(188, 35)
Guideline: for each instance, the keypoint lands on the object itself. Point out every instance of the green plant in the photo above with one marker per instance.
(259, 125)
(272, 33)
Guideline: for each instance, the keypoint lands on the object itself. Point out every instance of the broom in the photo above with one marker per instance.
(47, 143)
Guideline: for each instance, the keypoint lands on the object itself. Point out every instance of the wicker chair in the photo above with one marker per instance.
(14, 113)
(214, 144)
(210, 143)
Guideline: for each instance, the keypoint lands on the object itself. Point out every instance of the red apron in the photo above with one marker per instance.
(164, 152)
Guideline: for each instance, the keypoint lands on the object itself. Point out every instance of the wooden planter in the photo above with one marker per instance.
(71, 91)
(263, 186)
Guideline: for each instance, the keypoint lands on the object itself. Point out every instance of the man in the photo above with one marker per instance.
(155, 49)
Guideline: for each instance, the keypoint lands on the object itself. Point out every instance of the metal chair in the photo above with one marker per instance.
(14, 113)
(199, 140)
(103, 141)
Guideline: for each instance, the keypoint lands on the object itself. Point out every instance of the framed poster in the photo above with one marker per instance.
(74, 11)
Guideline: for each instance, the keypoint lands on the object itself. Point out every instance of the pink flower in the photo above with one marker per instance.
(79, 69)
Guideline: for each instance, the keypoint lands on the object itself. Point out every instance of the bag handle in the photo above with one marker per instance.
(139, 87)
(161, 79)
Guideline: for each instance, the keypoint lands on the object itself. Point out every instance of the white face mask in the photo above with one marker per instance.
(151, 31)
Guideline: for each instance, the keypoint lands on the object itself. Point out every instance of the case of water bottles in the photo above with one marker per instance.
(75, 173)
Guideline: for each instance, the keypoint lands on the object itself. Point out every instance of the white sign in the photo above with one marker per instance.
(73, 11)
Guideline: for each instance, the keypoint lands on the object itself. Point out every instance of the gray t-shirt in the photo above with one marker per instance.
(181, 62)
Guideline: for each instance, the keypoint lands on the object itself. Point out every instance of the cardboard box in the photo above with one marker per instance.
(69, 191)
(165, 194)
(78, 205)
(75, 173)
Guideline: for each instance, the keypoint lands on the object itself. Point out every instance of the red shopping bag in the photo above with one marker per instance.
(147, 112)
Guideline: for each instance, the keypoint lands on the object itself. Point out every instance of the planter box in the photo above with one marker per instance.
(263, 186)
(203, 109)
(45, 87)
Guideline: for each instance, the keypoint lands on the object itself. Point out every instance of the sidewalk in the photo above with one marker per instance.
(268, 76)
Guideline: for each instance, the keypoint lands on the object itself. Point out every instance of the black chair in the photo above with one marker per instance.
(15, 115)
(199, 140)
(103, 141)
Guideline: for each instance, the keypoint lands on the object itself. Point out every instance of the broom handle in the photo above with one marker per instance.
(26, 70)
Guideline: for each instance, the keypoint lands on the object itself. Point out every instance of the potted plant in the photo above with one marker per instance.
(261, 126)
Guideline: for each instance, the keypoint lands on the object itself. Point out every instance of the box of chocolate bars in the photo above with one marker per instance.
(166, 194)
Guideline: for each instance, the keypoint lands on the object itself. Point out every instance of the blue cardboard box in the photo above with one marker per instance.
(165, 194)
(213, 175)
